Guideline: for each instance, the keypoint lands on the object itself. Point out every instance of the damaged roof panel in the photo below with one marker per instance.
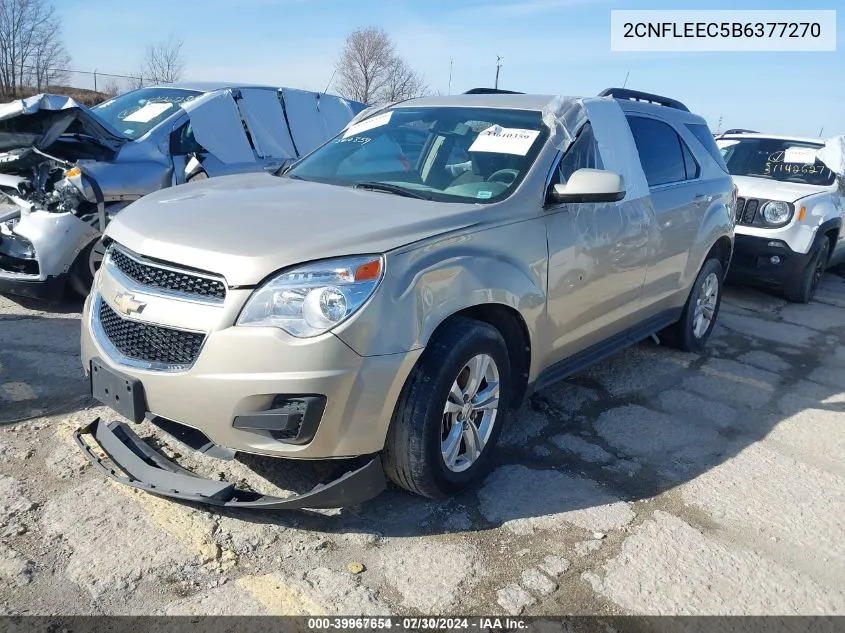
(217, 126)
(265, 118)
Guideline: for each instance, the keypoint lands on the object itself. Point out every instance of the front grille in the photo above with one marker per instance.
(750, 211)
(740, 204)
(147, 342)
(166, 279)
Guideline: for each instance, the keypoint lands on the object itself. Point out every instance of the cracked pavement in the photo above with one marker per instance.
(656, 482)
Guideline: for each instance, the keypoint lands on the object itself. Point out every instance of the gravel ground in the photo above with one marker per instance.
(655, 483)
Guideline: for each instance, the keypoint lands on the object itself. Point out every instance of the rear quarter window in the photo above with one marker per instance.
(705, 137)
(660, 150)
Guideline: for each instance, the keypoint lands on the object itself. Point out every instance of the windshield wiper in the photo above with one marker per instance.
(399, 191)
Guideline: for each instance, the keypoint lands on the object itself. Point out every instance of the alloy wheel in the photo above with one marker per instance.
(470, 413)
(705, 305)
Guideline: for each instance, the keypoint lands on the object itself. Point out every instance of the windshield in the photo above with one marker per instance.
(136, 113)
(448, 154)
(776, 159)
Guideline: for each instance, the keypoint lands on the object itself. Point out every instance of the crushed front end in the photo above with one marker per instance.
(50, 209)
(161, 343)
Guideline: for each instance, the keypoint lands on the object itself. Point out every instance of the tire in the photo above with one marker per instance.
(81, 274)
(804, 289)
(421, 428)
(691, 332)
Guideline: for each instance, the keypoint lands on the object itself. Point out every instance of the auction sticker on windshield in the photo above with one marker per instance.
(504, 140)
(369, 124)
(801, 155)
(148, 112)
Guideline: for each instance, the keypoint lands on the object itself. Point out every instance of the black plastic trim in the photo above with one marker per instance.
(51, 290)
(750, 255)
(491, 91)
(137, 465)
(592, 355)
(283, 425)
(626, 94)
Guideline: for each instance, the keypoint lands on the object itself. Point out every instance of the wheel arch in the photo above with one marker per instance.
(513, 329)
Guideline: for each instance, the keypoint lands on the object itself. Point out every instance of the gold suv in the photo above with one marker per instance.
(390, 296)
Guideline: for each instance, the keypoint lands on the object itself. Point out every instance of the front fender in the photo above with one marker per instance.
(423, 287)
(57, 239)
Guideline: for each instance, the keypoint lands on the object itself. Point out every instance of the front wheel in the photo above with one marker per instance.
(804, 289)
(698, 319)
(86, 265)
(450, 412)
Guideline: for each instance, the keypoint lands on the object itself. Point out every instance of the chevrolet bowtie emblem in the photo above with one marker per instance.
(126, 304)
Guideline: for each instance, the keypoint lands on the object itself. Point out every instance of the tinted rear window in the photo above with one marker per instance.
(660, 151)
(705, 137)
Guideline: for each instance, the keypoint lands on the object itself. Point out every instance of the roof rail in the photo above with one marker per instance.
(636, 95)
(491, 91)
(740, 131)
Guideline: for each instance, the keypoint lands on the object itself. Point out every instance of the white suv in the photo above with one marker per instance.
(789, 211)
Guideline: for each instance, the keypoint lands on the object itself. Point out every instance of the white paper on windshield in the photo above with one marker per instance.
(148, 112)
(369, 124)
(801, 155)
(504, 140)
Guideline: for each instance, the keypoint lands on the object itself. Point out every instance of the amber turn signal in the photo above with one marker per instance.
(370, 270)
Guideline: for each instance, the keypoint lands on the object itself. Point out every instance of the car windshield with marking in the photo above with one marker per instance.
(447, 154)
(135, 113)
(776, 159)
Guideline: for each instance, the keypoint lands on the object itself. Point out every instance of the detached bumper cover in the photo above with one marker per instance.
(139, 466)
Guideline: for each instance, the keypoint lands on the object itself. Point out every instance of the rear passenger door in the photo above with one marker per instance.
(673, 177)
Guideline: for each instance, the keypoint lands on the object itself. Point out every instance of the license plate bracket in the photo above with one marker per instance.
(120, 392)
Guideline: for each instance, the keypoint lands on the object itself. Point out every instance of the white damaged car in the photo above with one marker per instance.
(66, 170)
(790, 209)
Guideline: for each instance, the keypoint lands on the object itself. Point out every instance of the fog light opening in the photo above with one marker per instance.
(775, 260)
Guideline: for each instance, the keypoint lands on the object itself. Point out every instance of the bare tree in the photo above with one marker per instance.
(32, 53)
(111, 88)
(402, 82)
(371, 71)
(163, 62)
(135, 79)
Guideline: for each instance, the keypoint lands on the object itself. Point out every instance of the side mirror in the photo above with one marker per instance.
(589, 185)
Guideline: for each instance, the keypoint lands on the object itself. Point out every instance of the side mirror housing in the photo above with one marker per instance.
(589, 185)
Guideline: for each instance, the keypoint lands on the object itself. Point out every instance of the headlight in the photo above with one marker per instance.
(777, 212)
(312, 299)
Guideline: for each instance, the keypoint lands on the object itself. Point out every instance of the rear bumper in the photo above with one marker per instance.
(132, 462)
(752, 261)
(52, 289)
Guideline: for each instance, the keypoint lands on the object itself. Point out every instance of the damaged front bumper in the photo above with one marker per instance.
(132, 462)
(53, 241)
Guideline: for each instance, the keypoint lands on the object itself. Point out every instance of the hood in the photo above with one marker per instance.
(40, 120)
(248, 226)
(751, 187)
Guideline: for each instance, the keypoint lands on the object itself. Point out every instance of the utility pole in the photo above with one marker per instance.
(498, 66)
(626, 79)
(450, 75)
(719, 126)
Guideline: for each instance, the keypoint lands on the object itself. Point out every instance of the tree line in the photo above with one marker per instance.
(34, 58)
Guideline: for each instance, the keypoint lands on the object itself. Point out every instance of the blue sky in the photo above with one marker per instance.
(548, 46)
